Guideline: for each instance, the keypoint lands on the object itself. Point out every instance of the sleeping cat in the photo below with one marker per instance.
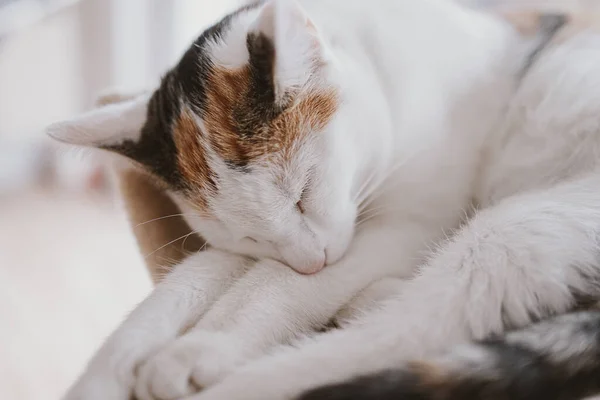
(322, 154)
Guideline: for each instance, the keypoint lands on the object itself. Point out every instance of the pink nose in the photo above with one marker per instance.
(313, 267)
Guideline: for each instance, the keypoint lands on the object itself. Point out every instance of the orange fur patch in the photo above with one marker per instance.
(229, 114)
(191, 157)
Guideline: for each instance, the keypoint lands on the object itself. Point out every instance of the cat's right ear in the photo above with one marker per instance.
(284, 43)
(104, 127)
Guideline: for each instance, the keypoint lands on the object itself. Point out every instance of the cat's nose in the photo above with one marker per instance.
(314, 266)
(306, 260)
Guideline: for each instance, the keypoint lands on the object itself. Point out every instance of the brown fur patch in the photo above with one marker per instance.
(239, 132)
(429, 374)
(191, 158)
(244, 115)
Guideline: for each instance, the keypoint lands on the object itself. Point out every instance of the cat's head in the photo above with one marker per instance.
(243, 133)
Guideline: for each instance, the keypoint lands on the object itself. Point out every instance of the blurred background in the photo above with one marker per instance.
(69, 267)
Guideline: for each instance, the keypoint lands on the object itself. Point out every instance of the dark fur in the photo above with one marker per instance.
(554, 360)
(549, 26)
(243, 119)
(156, 148)
(186, 84)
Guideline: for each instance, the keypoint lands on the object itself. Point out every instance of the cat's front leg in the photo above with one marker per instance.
(271, 305)
(367, 300)
(176, 303)
(526, 258)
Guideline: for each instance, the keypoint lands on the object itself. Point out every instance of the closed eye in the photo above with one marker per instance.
(300, 203)
(251, 239)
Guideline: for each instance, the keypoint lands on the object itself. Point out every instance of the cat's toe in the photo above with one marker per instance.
(191, 363)
(166, 376)
(212, 367)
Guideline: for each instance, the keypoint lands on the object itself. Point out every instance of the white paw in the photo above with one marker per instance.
(111, 373)
(191, 363)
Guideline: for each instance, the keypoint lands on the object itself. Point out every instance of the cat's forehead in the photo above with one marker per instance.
(218, 106)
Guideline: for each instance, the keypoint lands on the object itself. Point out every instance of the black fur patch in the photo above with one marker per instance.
(550, 25)
(523, 365)
(156, 149)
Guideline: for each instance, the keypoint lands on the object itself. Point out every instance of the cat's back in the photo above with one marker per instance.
(397, 35)
(552, 129)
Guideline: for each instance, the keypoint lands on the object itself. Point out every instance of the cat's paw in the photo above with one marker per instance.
(111, 373)
(186, 366)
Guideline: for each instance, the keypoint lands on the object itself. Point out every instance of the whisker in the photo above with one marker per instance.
(164, 217)
(359, 223)
(373, 189)
(365, 184)
(171, 242)
(186, 238)
(371, 211)
(203, 247)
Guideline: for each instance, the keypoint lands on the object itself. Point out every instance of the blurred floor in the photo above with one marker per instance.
(69, 268)
(69, 271)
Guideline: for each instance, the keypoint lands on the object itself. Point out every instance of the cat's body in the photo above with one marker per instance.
(273, 134)
(555, 359)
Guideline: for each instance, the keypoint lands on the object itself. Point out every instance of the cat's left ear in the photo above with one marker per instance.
(106, 126)
(286, 44)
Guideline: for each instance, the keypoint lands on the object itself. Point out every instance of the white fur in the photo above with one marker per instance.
(108, 125)
(420, 134)
(232, 52)
(533, 245)
(175, 304)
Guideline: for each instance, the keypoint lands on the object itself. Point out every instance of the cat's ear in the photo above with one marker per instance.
(288, 43)
(106, 126)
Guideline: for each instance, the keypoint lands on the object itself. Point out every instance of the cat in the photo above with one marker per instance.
(322, 154)
(530, 250)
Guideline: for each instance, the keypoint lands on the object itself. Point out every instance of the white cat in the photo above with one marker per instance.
(357, 136)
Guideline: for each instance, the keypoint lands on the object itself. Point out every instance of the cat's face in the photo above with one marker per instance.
(243, 132)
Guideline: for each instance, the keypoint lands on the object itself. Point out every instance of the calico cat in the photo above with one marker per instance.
(414, 153)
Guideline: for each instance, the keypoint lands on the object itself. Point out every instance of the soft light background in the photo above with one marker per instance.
(69, 268)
